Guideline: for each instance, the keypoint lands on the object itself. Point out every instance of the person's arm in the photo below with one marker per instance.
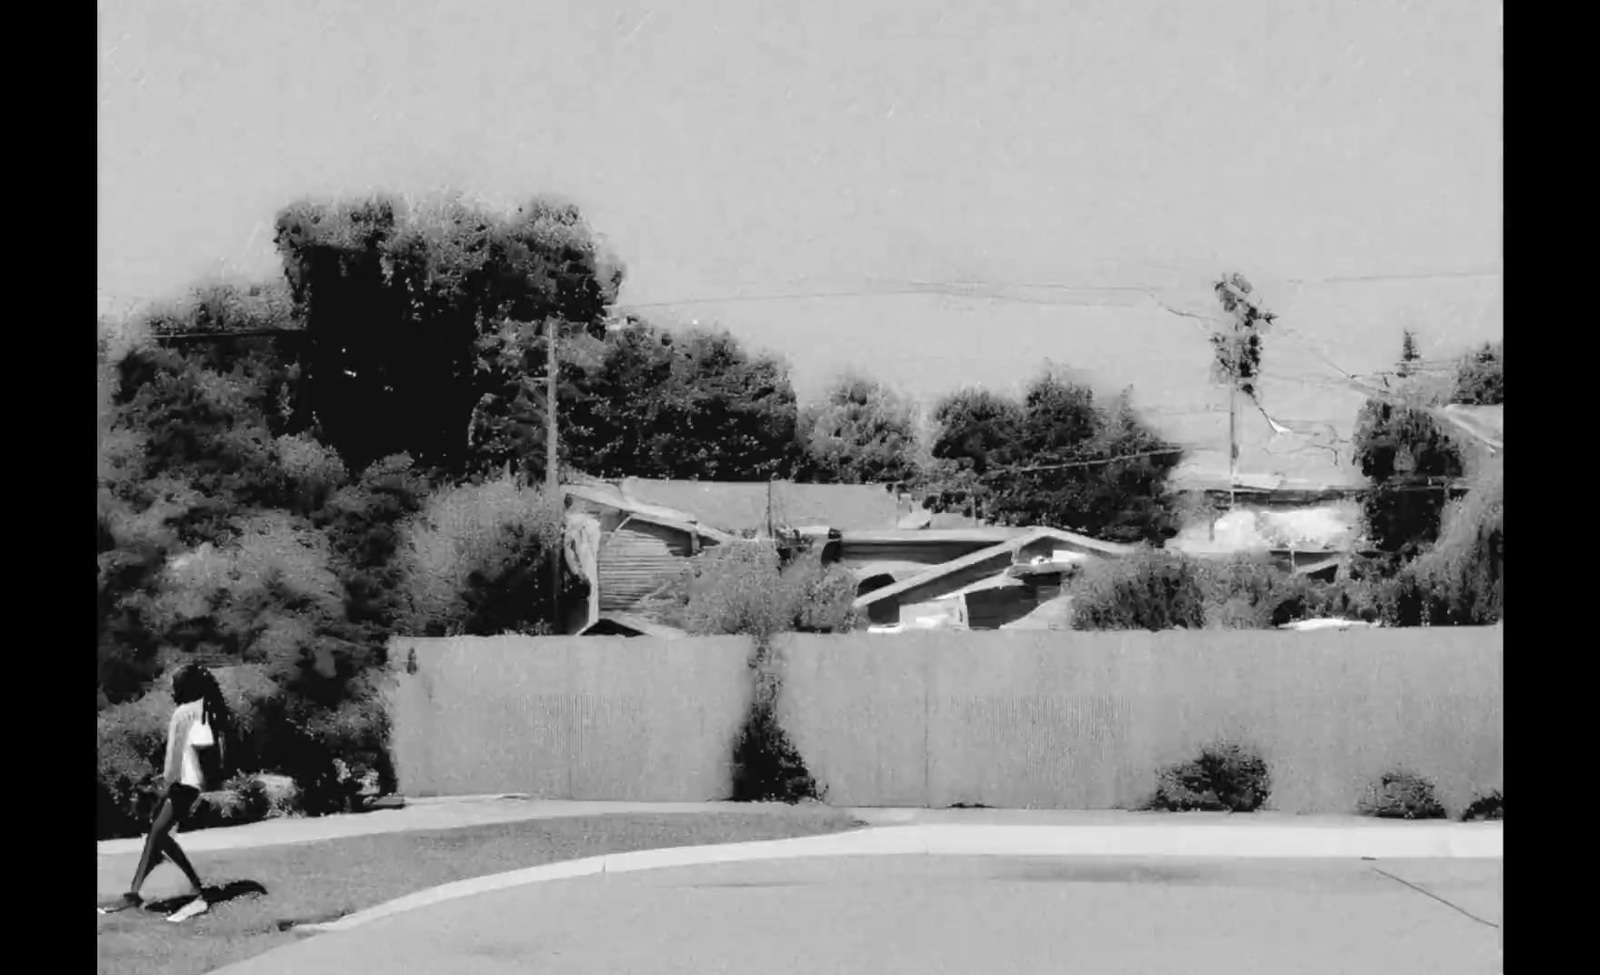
(215, 737)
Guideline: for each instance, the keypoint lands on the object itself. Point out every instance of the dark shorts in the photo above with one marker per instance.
(183, 799)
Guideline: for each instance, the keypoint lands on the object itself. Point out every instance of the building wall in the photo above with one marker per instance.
(635, 559)
(990, 609)
(1003, 718)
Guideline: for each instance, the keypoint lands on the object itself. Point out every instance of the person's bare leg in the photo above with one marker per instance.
(160, 827)
(174, 852)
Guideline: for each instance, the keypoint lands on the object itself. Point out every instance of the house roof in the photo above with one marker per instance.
(1006, 547)
(610, 496)
(932, 536)
(893, 569)
(638, 624)
(738, 506)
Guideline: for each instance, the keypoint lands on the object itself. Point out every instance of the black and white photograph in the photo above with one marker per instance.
(734, 486)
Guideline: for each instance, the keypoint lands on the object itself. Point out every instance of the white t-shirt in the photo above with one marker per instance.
(188, 723)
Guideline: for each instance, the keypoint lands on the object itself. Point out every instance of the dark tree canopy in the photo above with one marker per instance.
(977, 429)
(861, 433)
(1412, 463)
(683, 405)
(1480, 377)
(1050, 459)
(400, 309)
(1238, 347)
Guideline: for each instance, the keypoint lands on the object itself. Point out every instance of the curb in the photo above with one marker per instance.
(1456, 841)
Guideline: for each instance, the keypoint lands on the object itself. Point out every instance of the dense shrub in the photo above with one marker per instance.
(1251, 592)
(476, 561)
(1150, 590)
(1490, 805)
(327, 737)
(1480, 378)
(1157, 590)
(1226, 777)
(241, 800)
(766, 765)
(131, 747)
(1460, 580)
(1401, 794)
(744, 587)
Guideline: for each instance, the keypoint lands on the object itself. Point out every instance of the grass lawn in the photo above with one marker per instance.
(270, 889)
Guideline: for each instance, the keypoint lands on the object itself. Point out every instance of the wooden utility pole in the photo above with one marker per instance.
(1233, 444)
(552, 476)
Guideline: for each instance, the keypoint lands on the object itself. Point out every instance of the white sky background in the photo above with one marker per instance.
(748, 147)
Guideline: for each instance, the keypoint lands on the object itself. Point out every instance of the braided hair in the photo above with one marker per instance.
(195, 682)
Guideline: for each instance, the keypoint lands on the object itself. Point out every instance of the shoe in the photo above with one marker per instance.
(194, 908)
(125, 902)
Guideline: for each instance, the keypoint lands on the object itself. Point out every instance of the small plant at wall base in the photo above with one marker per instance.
(1488, 806)
(766, 765)
(1401, 794)
(1226, 777)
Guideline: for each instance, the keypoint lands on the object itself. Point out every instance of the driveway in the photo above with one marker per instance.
(949, 914)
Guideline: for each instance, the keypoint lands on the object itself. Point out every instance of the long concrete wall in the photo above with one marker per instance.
(1012, 719)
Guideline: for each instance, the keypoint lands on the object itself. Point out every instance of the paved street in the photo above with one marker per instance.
(931, 915)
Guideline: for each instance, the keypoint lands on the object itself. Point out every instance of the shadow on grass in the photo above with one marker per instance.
(215, 896)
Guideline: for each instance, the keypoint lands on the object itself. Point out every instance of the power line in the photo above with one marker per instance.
(1418, 276)
(958, 288)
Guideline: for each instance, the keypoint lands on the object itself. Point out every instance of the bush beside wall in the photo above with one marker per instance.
(1225, 777)
(315, 759)
(1401, 794)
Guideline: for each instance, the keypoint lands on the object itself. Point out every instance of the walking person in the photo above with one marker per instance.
(201, 720)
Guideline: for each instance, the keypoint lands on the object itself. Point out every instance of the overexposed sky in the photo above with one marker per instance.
(762, 149)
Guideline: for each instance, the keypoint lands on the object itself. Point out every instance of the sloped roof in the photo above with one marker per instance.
(738, 506)
(932, 536)
(637, 624)
(1009, 546)
(893, 569)
(610, 496)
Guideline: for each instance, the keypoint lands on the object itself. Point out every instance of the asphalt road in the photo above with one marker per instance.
(933, 915)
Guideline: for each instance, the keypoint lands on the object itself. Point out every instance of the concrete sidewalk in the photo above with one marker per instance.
(418, 814)
(458, 812)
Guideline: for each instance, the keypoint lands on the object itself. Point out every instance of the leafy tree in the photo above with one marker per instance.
(1460, 581)
(509, 427)
(861, 433)
(608, 426)
(690, 405)
(398, 307)
(1412, 463)
(1116, 499)
(364, 522)
(1410, 355)
(1480, 377)
(1238, 347)
(978, 429)
(1054, 458)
